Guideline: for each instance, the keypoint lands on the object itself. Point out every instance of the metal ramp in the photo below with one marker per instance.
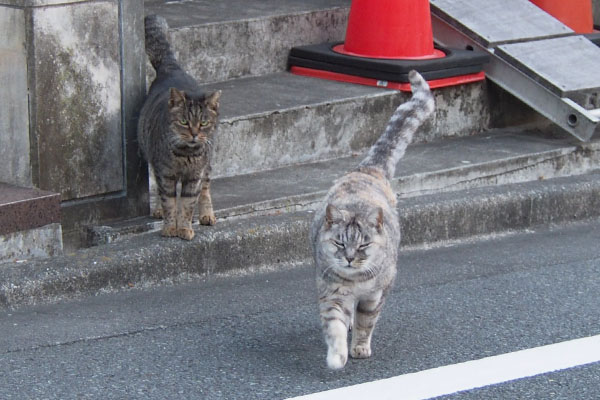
(533, 56)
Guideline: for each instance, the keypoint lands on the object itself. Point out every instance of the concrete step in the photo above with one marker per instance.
(239, 246)
(283, 119)
(29, 223)
(504, 156)
(270, 118)
(221, 40)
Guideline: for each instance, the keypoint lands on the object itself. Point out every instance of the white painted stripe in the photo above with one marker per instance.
(471, 374)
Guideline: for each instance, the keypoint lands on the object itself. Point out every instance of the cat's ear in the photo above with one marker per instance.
(213, 100)
(333, 215)
(375, 219)
(176, 98)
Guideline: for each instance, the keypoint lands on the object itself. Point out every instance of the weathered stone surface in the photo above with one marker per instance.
(247, 41)
(14, 112)
(481, 211)
(42, 242)
(23, 208)
(498, 157)
(295, 119)
(73, 71)
(77, 98)
(36, 3)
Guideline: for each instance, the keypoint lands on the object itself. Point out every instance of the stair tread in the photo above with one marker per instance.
(470, 155)
(446, 165)
(185, 13)
(277, 92)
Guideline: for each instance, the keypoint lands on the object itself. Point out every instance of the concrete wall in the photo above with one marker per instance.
(72, 74)
(14, 113)
(76, 98)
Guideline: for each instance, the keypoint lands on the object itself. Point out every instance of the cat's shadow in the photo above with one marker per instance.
(294, 353)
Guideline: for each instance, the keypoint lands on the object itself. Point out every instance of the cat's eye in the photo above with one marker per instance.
(203, 123)
(339, 244)
(364, 246)
(183, 121)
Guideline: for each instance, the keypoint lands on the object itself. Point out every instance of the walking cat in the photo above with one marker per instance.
(175, 133)
(356, 234)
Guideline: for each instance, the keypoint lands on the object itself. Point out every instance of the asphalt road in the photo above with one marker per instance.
(258, 336)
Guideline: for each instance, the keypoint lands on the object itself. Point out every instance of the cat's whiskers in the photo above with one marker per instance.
(370, 273)
(324, 273)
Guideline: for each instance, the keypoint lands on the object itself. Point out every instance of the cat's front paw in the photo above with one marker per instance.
(157, 214)
(185, 233)
(336, 360)
(360, 352)
(169, 231)
(208, 219)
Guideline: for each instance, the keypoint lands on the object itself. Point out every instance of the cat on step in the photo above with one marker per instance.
(356, 233)
(175, 134)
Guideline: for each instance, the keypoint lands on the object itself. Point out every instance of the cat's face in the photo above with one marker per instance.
(351, 241)
(193, 118)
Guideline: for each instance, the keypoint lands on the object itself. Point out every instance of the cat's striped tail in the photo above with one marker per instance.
(390, 147)
(157, 46)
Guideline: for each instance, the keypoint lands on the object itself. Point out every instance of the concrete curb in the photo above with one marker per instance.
(273, 241)
(481, 211)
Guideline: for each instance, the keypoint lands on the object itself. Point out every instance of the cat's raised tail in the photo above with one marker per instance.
(157, 46)
(391, 145)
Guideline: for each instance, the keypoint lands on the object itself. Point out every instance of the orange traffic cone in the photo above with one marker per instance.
(385, 39)
(389, 29)
(576, 14)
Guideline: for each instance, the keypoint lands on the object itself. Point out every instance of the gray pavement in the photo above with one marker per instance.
(256, 336)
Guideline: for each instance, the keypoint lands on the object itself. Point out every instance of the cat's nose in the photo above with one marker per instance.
(349, 259)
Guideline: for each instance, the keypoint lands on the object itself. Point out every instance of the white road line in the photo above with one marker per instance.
(472, 374)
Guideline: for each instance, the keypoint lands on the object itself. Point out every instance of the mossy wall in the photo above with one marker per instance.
(72, 74)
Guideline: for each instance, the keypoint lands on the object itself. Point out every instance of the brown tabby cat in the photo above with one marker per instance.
(175, 131)
(356, 234)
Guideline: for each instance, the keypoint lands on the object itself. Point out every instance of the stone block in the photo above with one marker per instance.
(77, 98)
(14, 112)
(73, 80)
(23, 209)
(216, 42)
(29, 223)
(40, 242)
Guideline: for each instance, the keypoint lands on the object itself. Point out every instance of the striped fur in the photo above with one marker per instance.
(175, 132)
(356, 233)
(390, 147)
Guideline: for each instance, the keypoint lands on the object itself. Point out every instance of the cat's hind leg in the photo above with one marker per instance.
(335, 319)
(365, 318)
(206, 213)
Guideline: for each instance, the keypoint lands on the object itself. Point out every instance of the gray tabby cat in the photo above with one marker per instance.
(175, 131)
(356, 234)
